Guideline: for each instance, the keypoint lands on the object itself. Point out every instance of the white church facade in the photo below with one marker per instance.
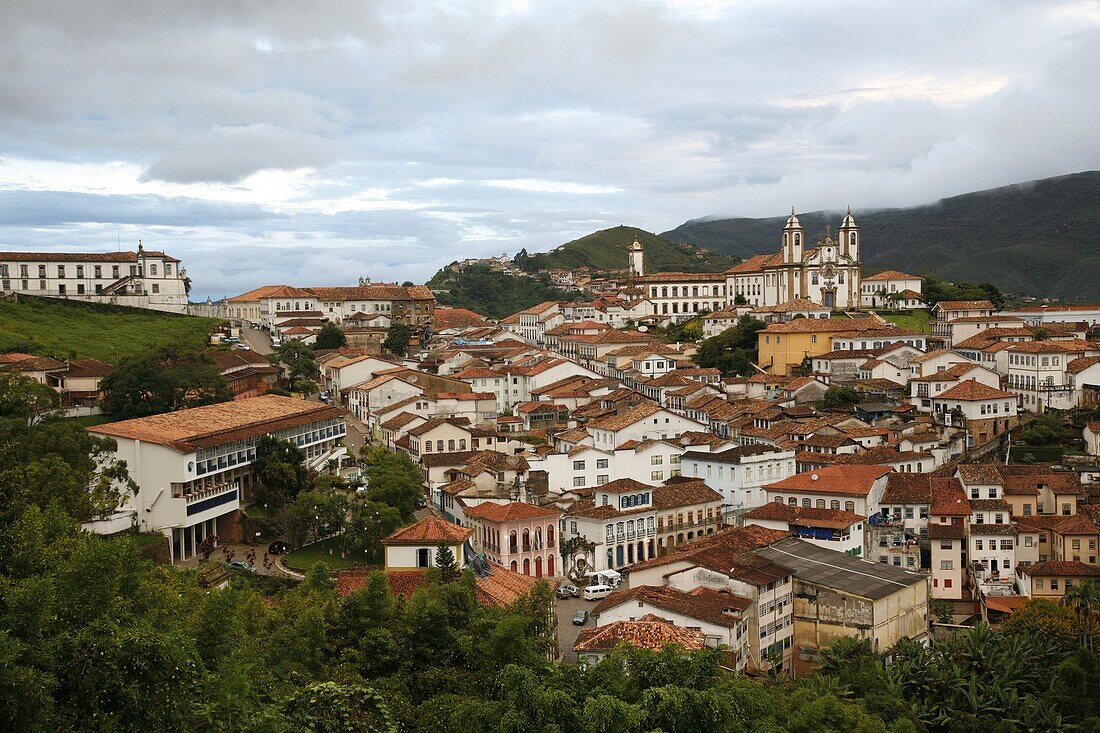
(827, 273)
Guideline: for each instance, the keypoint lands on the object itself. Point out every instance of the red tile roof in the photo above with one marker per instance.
(428, 531)
(513, 511)
(1070, 568)
(721, 608)
(649, 633)
(846, 480)
(804, 516)
(972, 390)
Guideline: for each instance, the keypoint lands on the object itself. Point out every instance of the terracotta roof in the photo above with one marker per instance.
(948, 498)
(373, 292)
(964, 305)
(428, 531)
(444, 318)
(400, 420)
(804, 516)
(270, 291)
(625, 419)
(890, 275)
(730, 551)
(210, 425)
(513, 511)
(704, 604)
(1005, 604)
(847, 480)
(752, 264)
(1054, 347)
(81, 256)
(33, 364)
(1081, 363)
(501, 588)
(81, 368)
(972, 389)
(823, 325)
(1058, 568)
(908, 488)
(651, 633)
(937, 531)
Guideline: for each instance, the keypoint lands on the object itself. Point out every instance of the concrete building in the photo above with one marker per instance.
(740, 474)
(414, 547)
(837, 595)
(194, 467)
(519, 536)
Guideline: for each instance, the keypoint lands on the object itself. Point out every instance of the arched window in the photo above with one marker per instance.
(512, 542)
(451, 445)
(512, 566)
(797, 239)
(806, 503)
(538, 538)
(526, 540)
(852, 239)
(427, 446)
(439, 446)
(820, 503)
(549, 535)
(834, 504)
(462, 444)
(792, 501)
(849, 506)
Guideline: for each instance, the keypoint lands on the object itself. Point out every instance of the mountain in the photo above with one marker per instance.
(607, 250)
(1040, 238)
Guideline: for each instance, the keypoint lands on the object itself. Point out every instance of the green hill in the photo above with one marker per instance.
(607, 250)
(1040, 238)
(493, 294)
(65, 328)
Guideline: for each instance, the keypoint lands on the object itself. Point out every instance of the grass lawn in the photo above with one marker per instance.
(65, 328)
(306, 557)
(90, 420)
(919, 321)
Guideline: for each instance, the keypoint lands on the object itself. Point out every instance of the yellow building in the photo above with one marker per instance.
(783, 346)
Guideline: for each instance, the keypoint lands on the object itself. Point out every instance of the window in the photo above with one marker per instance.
(61, 271)
(423, 558)
(979, 545)
(656, 460)
(656, 475)
(1054, 584)
(601, 479)
(601, 463)
(578, 465)
(946, 564)
(947, 582)
(578, 481)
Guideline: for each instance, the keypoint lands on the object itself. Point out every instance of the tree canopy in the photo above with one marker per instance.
(397, 339)
(165, 380)
(733, 351)
(330, 337)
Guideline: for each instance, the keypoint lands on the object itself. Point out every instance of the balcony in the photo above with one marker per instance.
(212, 491)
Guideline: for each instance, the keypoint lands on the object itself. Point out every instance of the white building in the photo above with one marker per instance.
(644, 421)
(740, 473)
(193, 467)
(142, 279)
(891, 289)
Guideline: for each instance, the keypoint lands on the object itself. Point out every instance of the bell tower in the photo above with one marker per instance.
(636, 255)
(792, 239)
(849, 237)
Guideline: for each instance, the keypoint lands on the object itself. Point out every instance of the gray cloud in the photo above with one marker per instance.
(324, 140)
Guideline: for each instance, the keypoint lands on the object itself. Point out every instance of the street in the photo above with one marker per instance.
(257, 339)
(567, 632)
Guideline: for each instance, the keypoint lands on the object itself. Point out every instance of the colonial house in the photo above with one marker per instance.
(983, 412)
(519, 536)
(648, 632)
(833, 529)
(739, 473)
(1052, 578)
(891, 289)
(641, 422)
(855, 489)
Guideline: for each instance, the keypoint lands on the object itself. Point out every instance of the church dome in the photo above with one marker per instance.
(792, 221)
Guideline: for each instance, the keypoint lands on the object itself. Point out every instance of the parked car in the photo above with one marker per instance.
(253, 324)
(324, 396)
(242, 566)
(278, 547)
(421, 502)
(568, 591)
(580, 618)
(232, 340)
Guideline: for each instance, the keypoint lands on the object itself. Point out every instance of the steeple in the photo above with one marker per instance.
(636, 259)
(848, 234)
(792, 239)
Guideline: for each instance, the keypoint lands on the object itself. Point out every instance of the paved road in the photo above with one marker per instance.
(257, 339)
(567, 632)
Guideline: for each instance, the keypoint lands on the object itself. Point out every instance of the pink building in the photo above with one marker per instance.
(519, 536)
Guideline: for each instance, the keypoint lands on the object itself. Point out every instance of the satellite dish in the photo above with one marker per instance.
(813, 477)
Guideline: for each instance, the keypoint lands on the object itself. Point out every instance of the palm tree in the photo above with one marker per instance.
(1084, 598)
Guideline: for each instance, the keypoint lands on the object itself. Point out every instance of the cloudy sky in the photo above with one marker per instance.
(313, 142)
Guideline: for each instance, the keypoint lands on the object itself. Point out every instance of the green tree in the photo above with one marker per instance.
(393, 479)
(837, 397)
(329, 707)
(445, 561)
(166, 380)
(397, 339)
(733, 351)
(297, 362)
(1046, 429)
(280, 470)
(24, 398)
(367, 524)
(330, 337)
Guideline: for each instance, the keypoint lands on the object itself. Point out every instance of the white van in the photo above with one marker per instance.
(596, 592)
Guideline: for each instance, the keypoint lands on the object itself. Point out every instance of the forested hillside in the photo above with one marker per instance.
(493, 294)
(1040, 238)
(607, 250)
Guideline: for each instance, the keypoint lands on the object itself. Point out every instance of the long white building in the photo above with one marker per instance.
(141, 279)
(193, 467)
